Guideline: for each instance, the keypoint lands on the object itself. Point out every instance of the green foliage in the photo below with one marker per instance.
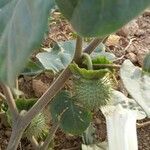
(32, 68)
(4, 2)
(100, 51)
(87, 74)
(58, 105)
(25, 104)
(22, 25)
(94, 93)
(22, 104)
(37, 128)
(58, 57)
(101, 60)
(100, 17)
(73, 119)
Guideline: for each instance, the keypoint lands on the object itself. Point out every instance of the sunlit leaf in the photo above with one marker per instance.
(58, 57)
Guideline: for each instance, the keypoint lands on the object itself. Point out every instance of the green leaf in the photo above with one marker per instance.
(25, 104)
(100, 51)
(32, 68)
(100, 17)
(22, 104)
(4, 2)
(137, 84)
(101, 60)
(88, 74)
(73, 119)
(22, 25)
(59, 104)
(58, 57)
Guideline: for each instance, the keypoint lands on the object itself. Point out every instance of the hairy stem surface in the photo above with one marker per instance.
(50, 137)
(16, 135)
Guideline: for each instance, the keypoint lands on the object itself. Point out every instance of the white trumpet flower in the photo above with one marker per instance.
(121, 128)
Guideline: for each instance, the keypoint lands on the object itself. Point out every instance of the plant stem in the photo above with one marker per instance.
(111, 66)
(10, 101)
(16, 135)
(34, 143)
(89, 49)
(49, 138)
(2, 97)
(48, 95)
(46, 98)
(88, 61)
(17, 129)
(79, 45)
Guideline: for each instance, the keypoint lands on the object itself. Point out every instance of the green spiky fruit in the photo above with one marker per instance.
(92, 94)
(37, 128)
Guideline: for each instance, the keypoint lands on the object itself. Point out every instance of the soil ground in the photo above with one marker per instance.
(131, 42)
